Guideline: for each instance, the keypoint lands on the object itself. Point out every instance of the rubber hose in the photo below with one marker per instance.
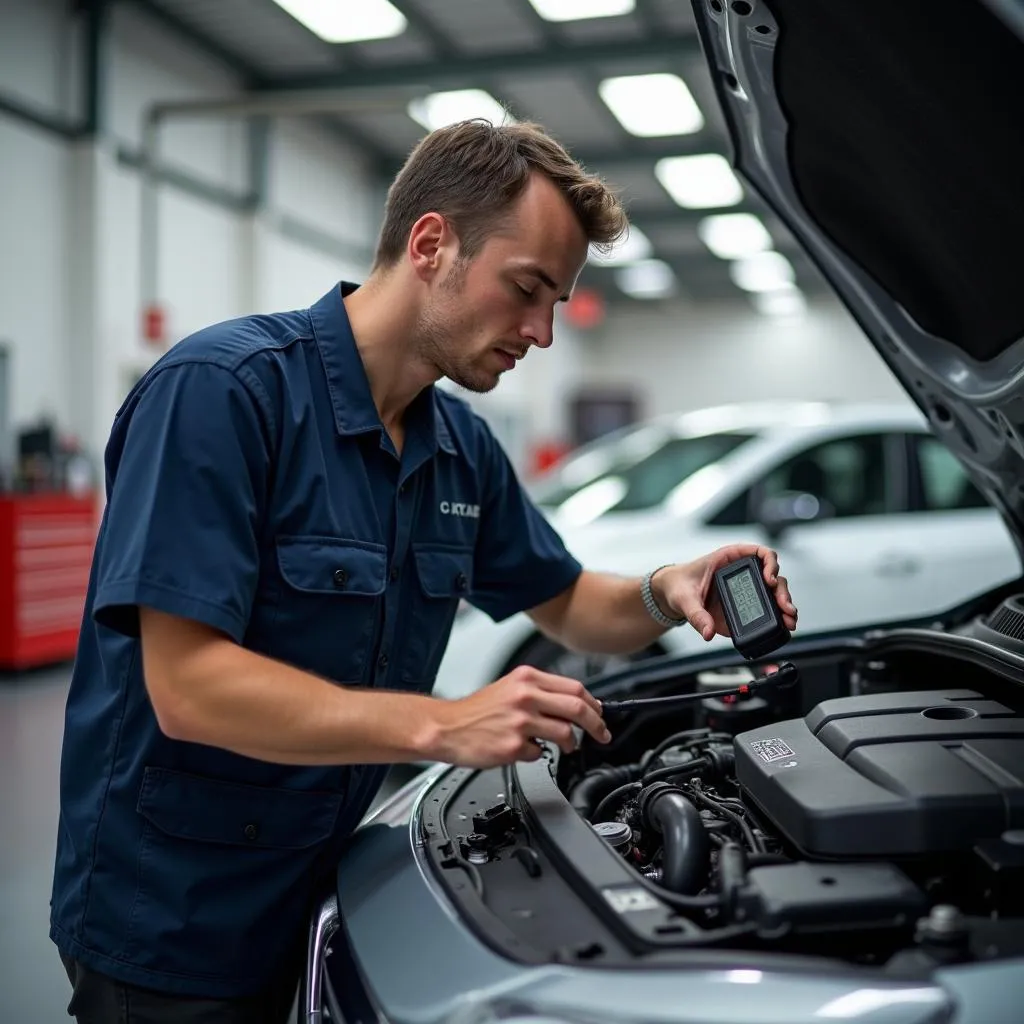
(596, 785)
(686, 850)
(732, 875)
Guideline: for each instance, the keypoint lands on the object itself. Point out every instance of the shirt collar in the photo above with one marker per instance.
(349, 388)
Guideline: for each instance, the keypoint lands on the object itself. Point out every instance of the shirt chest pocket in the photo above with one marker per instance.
(444, 578)
(330, 598)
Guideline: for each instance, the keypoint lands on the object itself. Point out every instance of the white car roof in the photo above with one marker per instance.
(763, 416)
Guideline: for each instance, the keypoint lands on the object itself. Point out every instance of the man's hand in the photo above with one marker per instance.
(685, 589)
(499, 724)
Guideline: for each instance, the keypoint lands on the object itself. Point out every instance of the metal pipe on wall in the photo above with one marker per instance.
(260, 105)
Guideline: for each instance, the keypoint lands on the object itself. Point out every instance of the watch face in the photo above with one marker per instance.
(745, 598)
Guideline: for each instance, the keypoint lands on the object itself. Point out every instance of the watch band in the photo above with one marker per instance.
(652, 606)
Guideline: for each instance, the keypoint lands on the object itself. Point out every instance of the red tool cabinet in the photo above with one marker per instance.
(46, 545)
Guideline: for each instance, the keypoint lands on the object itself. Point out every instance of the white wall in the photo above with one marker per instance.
(70, 284)
(149, 65)
(678, 357)
(38, 56)
(34, 267)
(312, 176)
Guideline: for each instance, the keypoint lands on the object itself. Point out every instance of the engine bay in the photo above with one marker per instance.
(890, 813)
(874, 814)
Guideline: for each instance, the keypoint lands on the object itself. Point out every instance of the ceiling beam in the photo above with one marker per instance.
(441, 43)
(632, 152)
(251, 78)
(193, 37)
(464, 70)
(645, 213)
(645, 151)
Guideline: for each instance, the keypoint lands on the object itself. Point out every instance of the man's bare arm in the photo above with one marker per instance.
(205, 688)
(605, 614)
(599, 614)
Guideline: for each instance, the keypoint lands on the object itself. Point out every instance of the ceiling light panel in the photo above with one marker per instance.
(733, 236)
(347, 23)
(785, 302)
(576, 10)
(646, 279)
(439, 109)
(652, 105)
(765, 272)
(699, 182)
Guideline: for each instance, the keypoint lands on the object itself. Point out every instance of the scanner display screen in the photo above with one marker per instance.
(745, 598)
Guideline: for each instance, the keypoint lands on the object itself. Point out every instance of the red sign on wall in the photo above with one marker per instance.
(154, 324)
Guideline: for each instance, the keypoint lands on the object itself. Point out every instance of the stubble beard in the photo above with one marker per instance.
(443, 328)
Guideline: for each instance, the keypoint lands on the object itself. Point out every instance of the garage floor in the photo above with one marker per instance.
(33, 986)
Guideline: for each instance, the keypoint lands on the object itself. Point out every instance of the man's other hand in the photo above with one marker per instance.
(686, 590)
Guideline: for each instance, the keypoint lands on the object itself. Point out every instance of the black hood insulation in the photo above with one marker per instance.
(906, 136)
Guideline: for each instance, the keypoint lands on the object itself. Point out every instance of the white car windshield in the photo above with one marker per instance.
(632, 471)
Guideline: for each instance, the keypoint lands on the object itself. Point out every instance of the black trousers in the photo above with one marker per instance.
(97, 999)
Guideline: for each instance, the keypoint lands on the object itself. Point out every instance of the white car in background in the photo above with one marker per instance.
(850, 495)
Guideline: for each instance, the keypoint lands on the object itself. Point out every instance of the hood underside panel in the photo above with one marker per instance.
(906, 146)
(889, 138)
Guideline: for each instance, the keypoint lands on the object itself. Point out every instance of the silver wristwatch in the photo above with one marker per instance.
(652, 606)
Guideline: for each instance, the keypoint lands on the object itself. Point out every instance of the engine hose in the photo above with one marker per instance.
(676, 771)
(686, 850)
(690, 738)
(763, 860)
(732, 875)
(719, 808)
(610, 803)
(596, 785)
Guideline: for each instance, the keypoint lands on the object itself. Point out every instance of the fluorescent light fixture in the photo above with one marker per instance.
(652, 105)
(732, 236)
(440, 109)
(577, 10)
(646, 279)
(786, 302)
(764, 272)
(635, 246)
(699, 182)
(347, 23)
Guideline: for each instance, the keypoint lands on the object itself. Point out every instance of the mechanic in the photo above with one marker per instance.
(293, 515)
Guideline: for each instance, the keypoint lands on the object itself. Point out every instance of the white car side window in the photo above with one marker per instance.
(944, 484)
(848, 475)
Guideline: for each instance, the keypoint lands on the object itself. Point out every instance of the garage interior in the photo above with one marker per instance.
(168, 164)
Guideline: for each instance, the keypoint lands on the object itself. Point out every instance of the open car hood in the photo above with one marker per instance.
(889, 138)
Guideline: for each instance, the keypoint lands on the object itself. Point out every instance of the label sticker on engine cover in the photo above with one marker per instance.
(625, 901)
(772, 750)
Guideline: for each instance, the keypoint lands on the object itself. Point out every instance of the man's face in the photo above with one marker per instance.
(485, 314)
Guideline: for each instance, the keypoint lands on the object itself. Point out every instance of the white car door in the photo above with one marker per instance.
(957, 544)
(858, 564)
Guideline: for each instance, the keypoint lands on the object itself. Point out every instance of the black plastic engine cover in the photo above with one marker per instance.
(833, 897)
(889, 775)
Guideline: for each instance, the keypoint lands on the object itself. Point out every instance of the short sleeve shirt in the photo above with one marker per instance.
(252, 488)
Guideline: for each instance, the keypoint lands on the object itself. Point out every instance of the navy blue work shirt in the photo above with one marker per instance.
(251, 487)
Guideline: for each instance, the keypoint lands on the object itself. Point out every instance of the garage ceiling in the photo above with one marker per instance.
(539, 70)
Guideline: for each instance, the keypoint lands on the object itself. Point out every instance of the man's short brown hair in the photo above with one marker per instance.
(473, 172)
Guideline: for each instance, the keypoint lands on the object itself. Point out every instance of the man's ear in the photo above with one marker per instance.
(432, 246)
